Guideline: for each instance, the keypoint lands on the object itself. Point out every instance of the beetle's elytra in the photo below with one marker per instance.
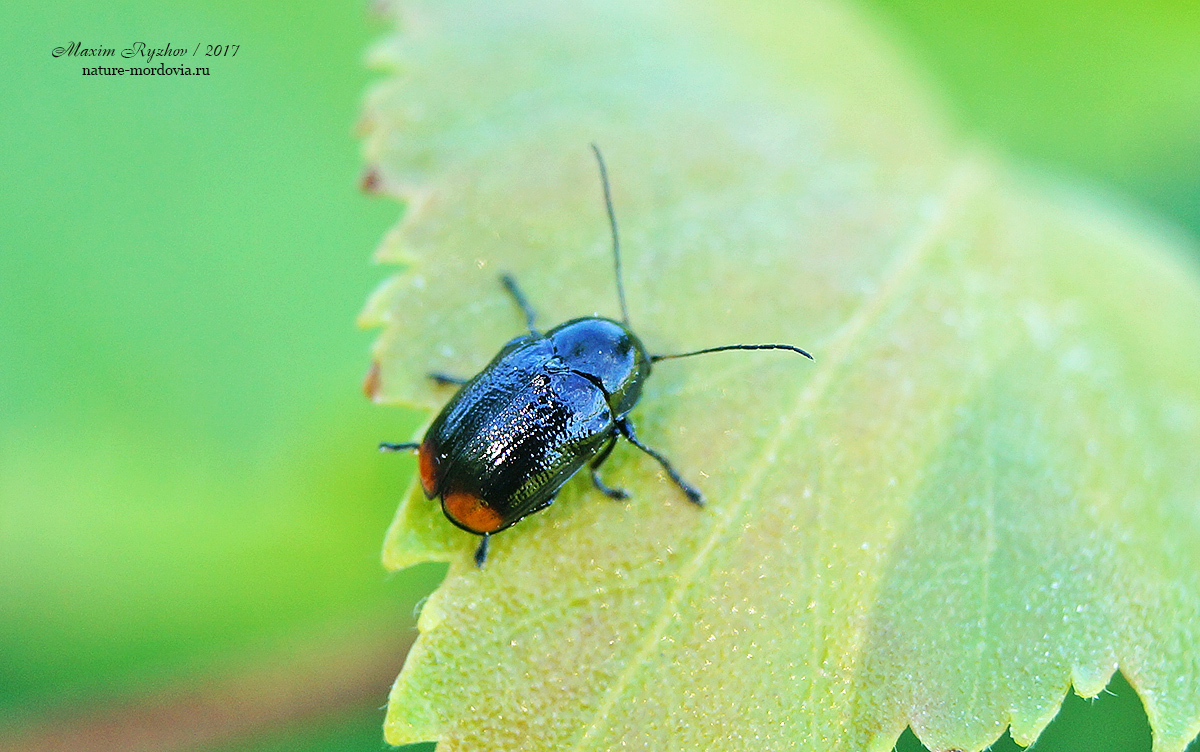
(546, 405)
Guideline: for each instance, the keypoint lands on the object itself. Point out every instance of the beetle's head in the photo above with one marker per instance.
(606, 352)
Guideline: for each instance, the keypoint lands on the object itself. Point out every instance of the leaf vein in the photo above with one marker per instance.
(963, 183)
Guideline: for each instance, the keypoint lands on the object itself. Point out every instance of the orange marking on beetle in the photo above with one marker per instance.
(427, 466)
(371, 381)
(471, 512)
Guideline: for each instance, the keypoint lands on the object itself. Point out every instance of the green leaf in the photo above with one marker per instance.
(983, 491)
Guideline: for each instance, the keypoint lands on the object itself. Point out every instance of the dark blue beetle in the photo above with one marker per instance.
(546, 405)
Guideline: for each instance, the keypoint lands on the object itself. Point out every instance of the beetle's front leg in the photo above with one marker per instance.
(693, 494)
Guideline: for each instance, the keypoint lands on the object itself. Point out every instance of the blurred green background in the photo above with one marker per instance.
(190, 505)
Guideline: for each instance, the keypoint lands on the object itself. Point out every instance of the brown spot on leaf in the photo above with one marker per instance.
(371, 382)
(371, 181)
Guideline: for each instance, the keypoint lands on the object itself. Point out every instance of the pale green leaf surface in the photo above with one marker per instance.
(985, 490)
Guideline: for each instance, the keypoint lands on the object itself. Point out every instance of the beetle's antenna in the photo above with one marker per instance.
(793, 348)
(612, 221)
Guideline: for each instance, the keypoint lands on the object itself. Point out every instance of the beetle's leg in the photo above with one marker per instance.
(510, 284)
(481, 552)
(445, 379)
(618, 494)
(693, 494)
(386, 447)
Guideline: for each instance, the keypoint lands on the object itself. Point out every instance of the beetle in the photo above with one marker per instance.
(545, 406)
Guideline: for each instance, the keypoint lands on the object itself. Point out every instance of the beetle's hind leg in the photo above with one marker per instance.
(481, 552)
(510, 284)
(618, 494)
(693, 494)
